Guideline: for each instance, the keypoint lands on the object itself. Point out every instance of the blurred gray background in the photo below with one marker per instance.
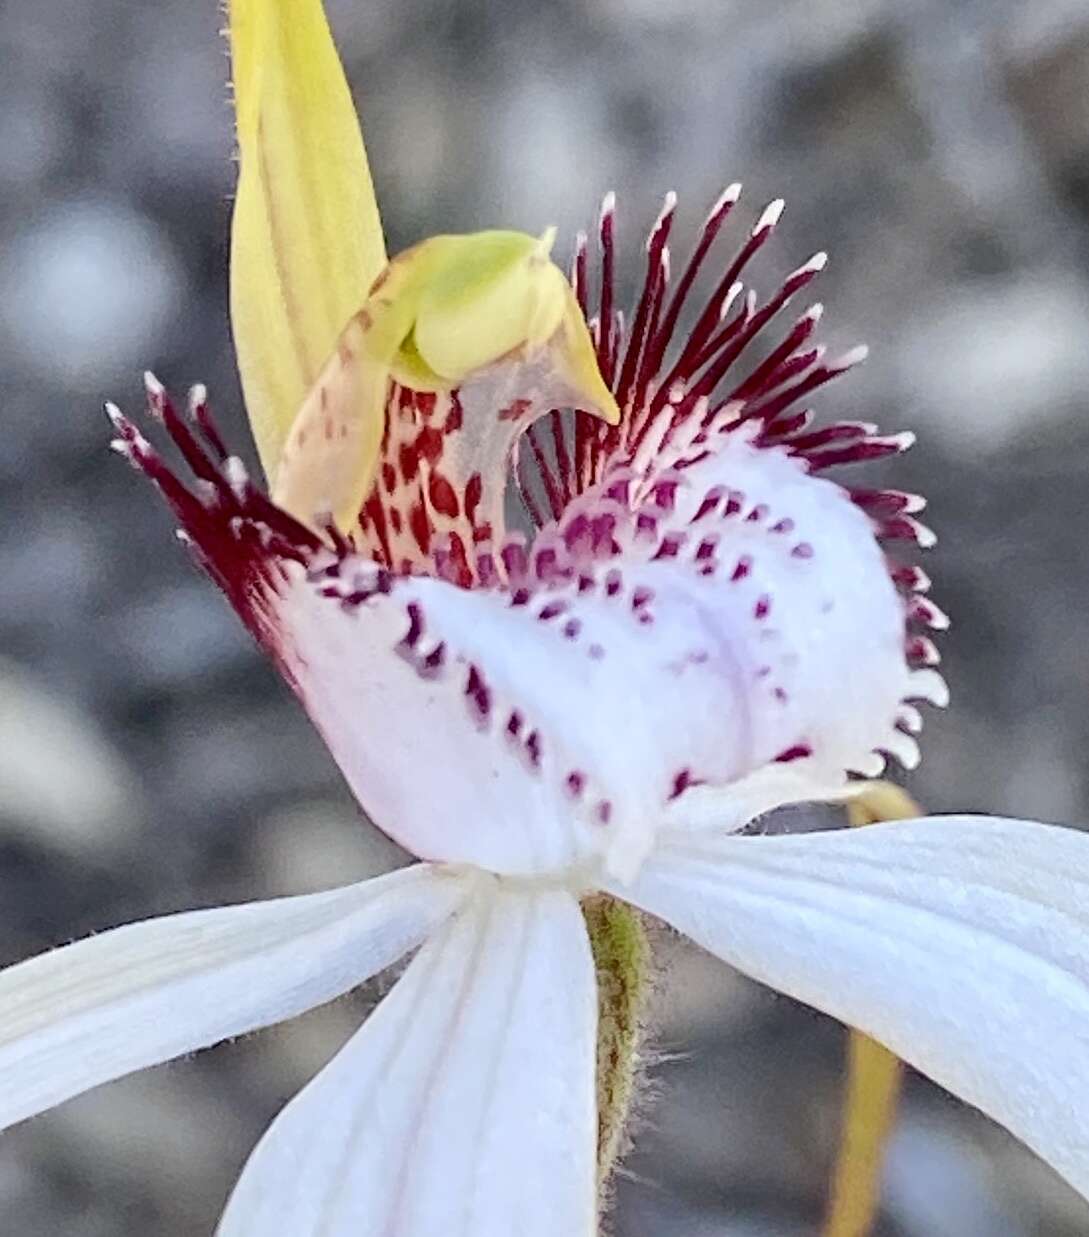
(151, 761)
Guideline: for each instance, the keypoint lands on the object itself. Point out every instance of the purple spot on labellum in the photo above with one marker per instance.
(533, 748)
(415, 625)
(798, 752)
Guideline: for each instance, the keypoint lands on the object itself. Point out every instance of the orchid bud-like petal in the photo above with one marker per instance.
(306, 242)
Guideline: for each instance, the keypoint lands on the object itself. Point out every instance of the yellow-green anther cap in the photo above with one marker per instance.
(438, 314)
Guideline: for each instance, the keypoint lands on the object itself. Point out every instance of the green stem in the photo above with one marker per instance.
(622, 959)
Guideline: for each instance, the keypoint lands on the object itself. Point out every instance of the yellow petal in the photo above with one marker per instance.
(330, 454)
(331, 450)
(306, 243)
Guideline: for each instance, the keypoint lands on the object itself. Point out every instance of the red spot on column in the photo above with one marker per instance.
(517, 408)
(376, 517)
(429, 444)
(443, 496)
(454, 417)
(460, 560)
(421, 529)
(386, 421)
(474, 492)
(409, 461)
(425, 402)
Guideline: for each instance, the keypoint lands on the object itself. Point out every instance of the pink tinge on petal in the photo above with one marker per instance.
(793, 587)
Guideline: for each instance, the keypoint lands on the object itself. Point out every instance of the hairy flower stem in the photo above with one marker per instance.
(874, 1075)
(622, 960)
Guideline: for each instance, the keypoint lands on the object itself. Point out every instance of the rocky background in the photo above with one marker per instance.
(150, 760)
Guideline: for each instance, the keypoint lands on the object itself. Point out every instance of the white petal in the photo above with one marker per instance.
(138, 995)
(542, 749)
(553, 722)
(647, 646)
(725, 809)
(833, 635)
(464, 1108)
(556, 721)
(962, 943)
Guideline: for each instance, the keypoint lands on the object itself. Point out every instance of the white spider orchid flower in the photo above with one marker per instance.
(703, 626)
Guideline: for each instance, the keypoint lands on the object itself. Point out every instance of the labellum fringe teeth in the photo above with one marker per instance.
(612, 504)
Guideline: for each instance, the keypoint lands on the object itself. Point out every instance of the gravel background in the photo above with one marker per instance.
(149, 759)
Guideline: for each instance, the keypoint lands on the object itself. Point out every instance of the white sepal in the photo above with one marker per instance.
(961, 943)
(465, 1106)
(138, 995)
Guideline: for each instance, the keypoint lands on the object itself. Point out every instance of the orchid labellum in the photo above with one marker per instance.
(706, 621)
